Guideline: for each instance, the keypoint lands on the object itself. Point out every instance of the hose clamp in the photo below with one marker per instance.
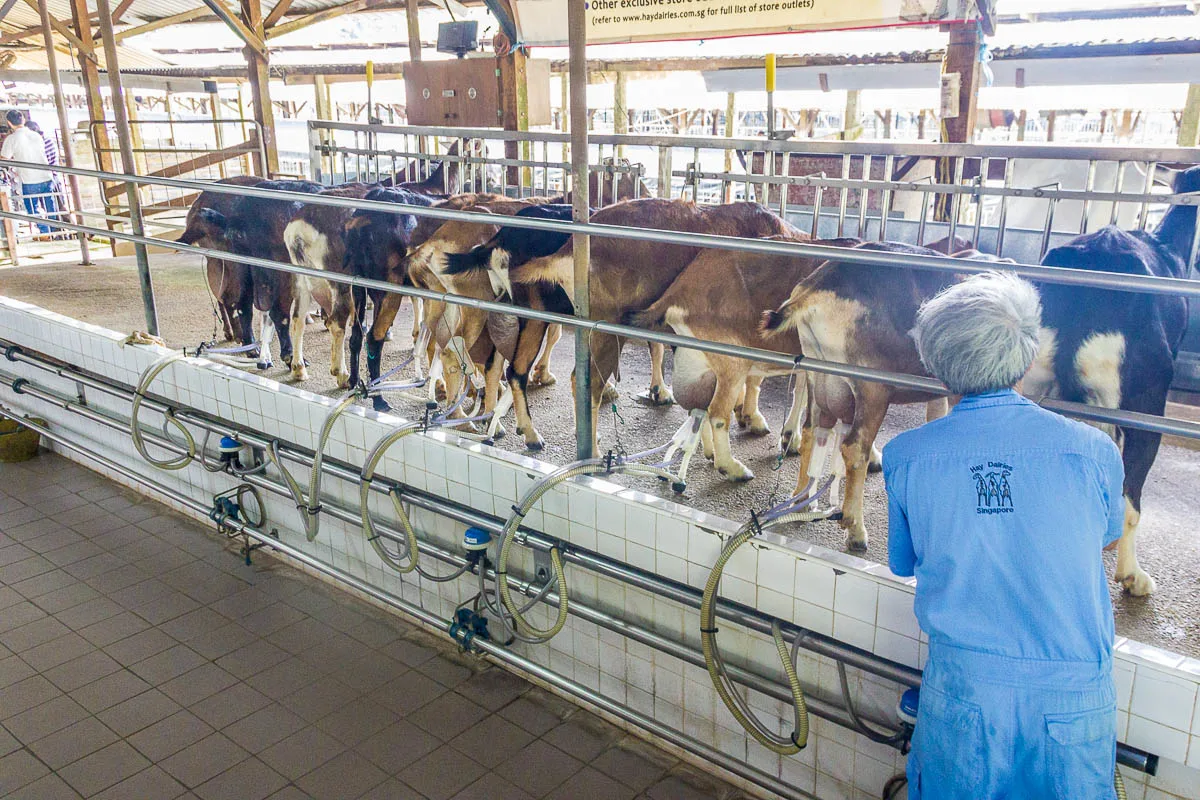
(11, 351)
(19, 384)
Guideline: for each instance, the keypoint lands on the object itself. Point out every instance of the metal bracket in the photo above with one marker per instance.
(543, 568)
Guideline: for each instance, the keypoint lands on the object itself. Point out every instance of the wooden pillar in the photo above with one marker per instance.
(960, 70)
(1022, 121)
(260, 89)
(514, 104)
(1189, 123)
(324, 110)
(214, 103)
(850, 119)
(1050, 120)
(414, 31)
(135, 136)
(97, 128)
(730, 124)
(620, 109)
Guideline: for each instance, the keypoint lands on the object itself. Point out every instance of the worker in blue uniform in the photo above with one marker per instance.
(1001, 510)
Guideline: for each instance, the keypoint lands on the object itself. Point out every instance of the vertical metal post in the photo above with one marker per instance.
(577, 39)
(112, 67)
(60, 106)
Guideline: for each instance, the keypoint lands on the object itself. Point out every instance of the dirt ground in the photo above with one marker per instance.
(1169, 543)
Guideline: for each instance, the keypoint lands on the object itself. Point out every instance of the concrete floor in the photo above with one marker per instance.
(1169, 540)
(140, 659)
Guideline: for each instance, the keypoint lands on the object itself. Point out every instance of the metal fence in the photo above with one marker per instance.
(1114, 281)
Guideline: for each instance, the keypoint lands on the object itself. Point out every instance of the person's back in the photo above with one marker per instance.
(1001, 510)
(1010, 529)
(25, 145)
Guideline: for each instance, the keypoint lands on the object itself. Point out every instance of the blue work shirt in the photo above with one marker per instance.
(1001, 509)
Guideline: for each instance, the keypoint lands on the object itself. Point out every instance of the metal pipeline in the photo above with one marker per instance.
(685, 595)
(498, 652)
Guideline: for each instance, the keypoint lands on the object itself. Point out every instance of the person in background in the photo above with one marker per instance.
(24, 144)
(1001, 509)
(52, 202)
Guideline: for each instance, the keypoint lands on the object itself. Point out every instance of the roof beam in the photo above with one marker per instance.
(231, 20)
(120, 10)
(353, 7)
(6, 7)
(59, 28)
(277, 13)
(174, 19)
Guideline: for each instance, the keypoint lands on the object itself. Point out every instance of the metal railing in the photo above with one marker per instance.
(1106, 280)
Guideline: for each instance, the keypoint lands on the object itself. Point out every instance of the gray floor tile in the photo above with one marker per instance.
(65, 598)
(285, 678)
(493, 688)
(73, 743)
(43, 584)
(249, 780)
(252, 659)
(583, 736)
(301, 753)
(89, 613)
(192, 687)
(140, 646)
(536, 712)
(370, 672)
(438, 779)
(136, 713)
(447, 716)
(45, 719)
(264, 727)
(19, 769)
(167, 607)
(13, 669)
(26, 694)
(96, 571)
(204, 760)
(289, 793)
(48, 787)
(320, 699)
(221, 641)
(170, 663)
(492, 740)
(594, 785)
(170, 735)
(274, 617)
(149, 784)
(408, 692)
(102, 769)
(492, 787)
(539, 768)
(230, 705)
(65, 648)
(634, 763)
(139, 594)
(8, 742)
(194, 623)
(397, 746)
(447, 670)
(344, 776)
(18, 615)
(109, 691)
(30, 635)
(114, 629)
(82, 671)
(357, 720)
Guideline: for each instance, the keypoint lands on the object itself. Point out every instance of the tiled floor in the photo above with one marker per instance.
(142, 660)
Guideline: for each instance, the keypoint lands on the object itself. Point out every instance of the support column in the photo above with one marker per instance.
(260, 89)
(962, 60)
(514, 103)
(138, 165)
(60, 105)
(730, 124)
(113, 68)
(414, 31)
(324, 111)
(620, 109)
(214, 103)
(1189, 123)
(97, 128)
(584, 412)
(850, 119)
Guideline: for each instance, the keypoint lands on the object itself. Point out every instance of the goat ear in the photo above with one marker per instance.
(214, 218)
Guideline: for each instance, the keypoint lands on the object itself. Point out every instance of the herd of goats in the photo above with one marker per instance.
(1101, 347)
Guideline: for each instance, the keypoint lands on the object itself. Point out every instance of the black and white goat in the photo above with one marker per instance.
(1117, 349)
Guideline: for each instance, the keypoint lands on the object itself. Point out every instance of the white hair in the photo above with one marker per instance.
(980, 335)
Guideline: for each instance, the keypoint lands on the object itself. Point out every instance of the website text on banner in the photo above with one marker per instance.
(543, 23)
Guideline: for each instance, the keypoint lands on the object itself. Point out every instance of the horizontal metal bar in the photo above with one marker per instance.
(499, 652)
(1073, 277)
(787, 362)
(1183, 155)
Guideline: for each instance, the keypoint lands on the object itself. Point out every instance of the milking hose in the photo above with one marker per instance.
(135, 428)
(764, 735)
(529, 633)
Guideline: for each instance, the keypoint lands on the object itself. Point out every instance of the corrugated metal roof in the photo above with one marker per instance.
(141, 11)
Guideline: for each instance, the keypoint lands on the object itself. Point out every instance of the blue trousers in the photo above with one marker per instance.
(991, 728)
(34, 204)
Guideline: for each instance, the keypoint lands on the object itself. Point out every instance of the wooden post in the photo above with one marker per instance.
(64, 126)
(1022, 121)
(97, 127)
(850, 120)
(959, 110)
(214, 102)
(514, 105)
(170, 117)
(414, 31)
(584, 411)
(1052, 117)
(730, 124)
(564, 80)
(135, 138)
(323, 110)
(1189, 123)
(260, 89)
(247, 160)
(620, 109)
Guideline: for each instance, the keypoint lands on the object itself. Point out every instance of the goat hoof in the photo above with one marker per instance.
(381, 405)
(856, 545)
(661, 396)
(758, 426)
(263, 366)
(535, 446)
(789, 443)
(875, 464)
(610, 394)
(500, 433)
(544, 379)
(1138, 583)
(300, 375)
(387, 337)
(738, 473)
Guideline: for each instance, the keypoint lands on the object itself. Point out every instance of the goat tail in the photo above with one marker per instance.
(773, 321)
(476, 259)
(649, 318)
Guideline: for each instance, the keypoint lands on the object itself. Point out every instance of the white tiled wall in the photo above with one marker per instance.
(824, 591)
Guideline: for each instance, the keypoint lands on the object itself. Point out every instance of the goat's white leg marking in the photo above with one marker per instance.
(417, 312)
(300, 303)
(719, 412)
(660, 393)
(749, 415)
(789, 440)
(541, 375)
(266, 332)
(706, 438)
(1129, 573)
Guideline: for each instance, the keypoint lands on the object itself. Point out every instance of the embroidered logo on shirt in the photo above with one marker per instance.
(993, 492)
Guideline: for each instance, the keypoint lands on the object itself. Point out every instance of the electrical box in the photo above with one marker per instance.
(466, 92)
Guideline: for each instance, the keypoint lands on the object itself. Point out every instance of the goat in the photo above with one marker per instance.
(228, 281)
(859, 315)
(1117, 349)
(626, 275)
(254, 227)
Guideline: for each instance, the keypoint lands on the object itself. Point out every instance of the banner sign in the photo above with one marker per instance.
(544, 22)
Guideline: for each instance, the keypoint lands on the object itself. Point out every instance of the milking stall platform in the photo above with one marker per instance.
(222, 578)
